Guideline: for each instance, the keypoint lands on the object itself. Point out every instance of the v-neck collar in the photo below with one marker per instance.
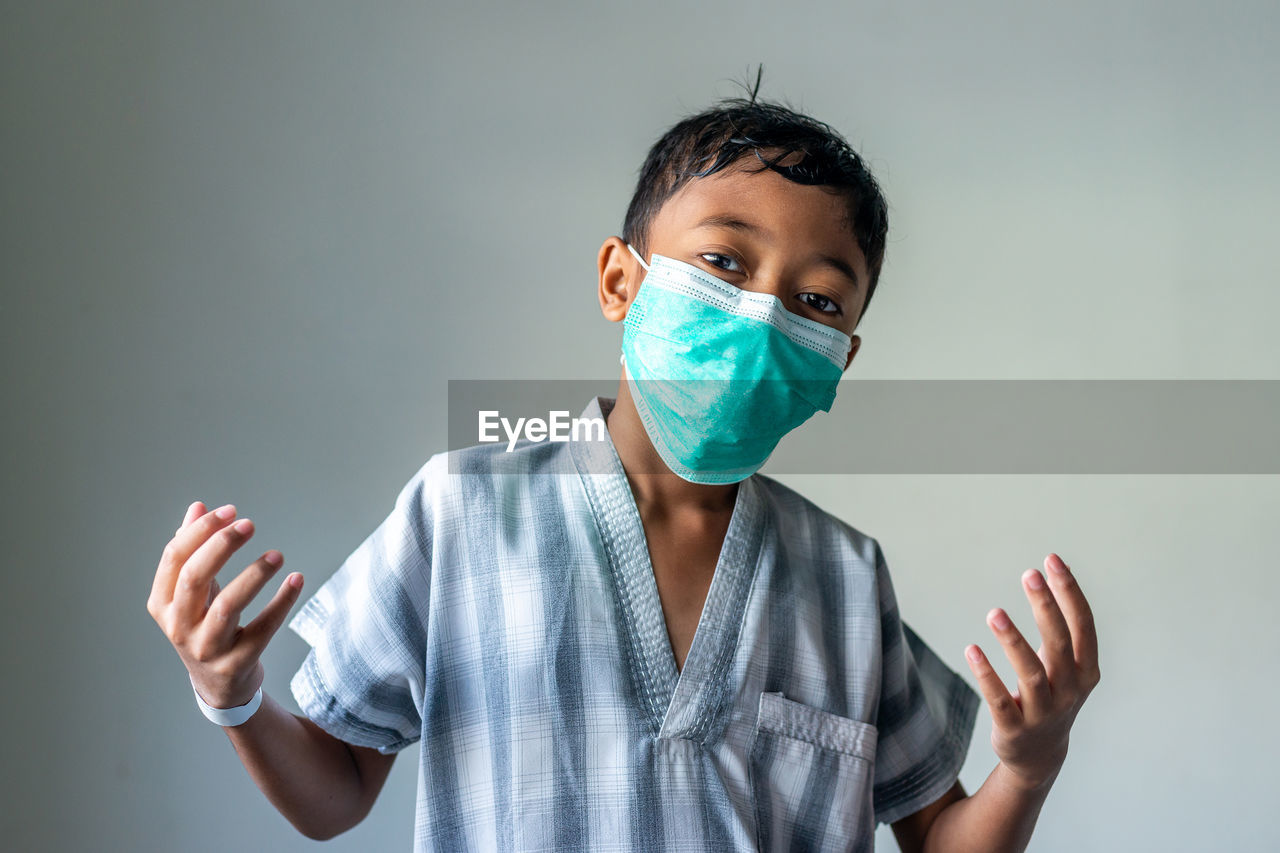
(681, 702)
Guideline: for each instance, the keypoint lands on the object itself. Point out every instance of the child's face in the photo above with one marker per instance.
(760, 232)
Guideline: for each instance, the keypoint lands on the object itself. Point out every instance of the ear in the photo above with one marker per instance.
(853, 350)
(620, 277)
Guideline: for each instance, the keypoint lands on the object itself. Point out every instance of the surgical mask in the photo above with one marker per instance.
(719, 374)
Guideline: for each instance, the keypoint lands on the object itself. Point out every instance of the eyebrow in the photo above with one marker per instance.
(842, 267)
(724, 220)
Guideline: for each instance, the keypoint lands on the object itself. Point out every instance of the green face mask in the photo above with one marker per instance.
(719, 374)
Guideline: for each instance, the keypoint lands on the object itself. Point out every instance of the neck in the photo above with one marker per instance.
(653, 484)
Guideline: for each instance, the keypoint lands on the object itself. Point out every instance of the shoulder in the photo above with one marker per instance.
(465, 479)
(496, 458)
(802, 524)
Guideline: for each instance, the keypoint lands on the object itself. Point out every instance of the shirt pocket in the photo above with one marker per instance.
(811, 776)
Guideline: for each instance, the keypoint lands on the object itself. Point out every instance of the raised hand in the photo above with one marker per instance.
(202, 620)
(1031, 726)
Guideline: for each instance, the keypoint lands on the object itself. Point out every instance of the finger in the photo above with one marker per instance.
(192, 590)
(214, 589)
(1079, 616)
(1059, 663)
(259, 632)
(223, 615)
(1033, 681)
(193, 512)
(180, 548)
(1005, 712)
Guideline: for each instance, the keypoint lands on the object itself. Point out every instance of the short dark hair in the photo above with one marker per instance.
(703, 144)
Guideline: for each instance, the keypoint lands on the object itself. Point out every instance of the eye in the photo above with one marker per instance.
(723, 262)
(821, 303)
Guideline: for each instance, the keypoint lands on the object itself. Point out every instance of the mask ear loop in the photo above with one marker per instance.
(622, 359)
(638, 258)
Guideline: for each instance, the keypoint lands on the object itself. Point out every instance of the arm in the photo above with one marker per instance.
(322, 785)
(1029, 728)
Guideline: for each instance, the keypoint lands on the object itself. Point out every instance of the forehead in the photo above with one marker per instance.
(800, 216)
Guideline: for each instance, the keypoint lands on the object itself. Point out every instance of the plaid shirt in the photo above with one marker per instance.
(506, 614)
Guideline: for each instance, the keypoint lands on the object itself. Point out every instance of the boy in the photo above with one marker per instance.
(637, 642)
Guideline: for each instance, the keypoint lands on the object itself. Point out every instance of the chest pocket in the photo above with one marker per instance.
(811, 774)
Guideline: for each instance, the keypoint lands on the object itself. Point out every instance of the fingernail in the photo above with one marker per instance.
(1000, 619)
(1034, 579)
(1059, 565)
(273, 558)
(295, 580)
(225, 512)
(973, 654)
(243, 526)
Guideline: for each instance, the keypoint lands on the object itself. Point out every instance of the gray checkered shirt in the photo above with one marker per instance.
(506, 614)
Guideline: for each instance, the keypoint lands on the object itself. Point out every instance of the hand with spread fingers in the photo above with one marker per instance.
(202, 620)
(1031, 726)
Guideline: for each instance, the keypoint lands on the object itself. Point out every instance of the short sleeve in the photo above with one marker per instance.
(925, 719)
(363, 678)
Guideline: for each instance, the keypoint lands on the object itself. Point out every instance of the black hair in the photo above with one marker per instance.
(735, 128)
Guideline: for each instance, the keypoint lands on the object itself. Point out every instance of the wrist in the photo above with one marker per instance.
(1027, 783)
(228, 716)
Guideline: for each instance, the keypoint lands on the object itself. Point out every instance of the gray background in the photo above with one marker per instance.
(244, 247)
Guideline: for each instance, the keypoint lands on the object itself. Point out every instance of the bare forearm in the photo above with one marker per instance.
(997, 818)
(306, 773)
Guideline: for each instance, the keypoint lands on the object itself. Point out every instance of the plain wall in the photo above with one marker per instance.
(244, 246)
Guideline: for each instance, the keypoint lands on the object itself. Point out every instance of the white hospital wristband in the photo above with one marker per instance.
(228, 716)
